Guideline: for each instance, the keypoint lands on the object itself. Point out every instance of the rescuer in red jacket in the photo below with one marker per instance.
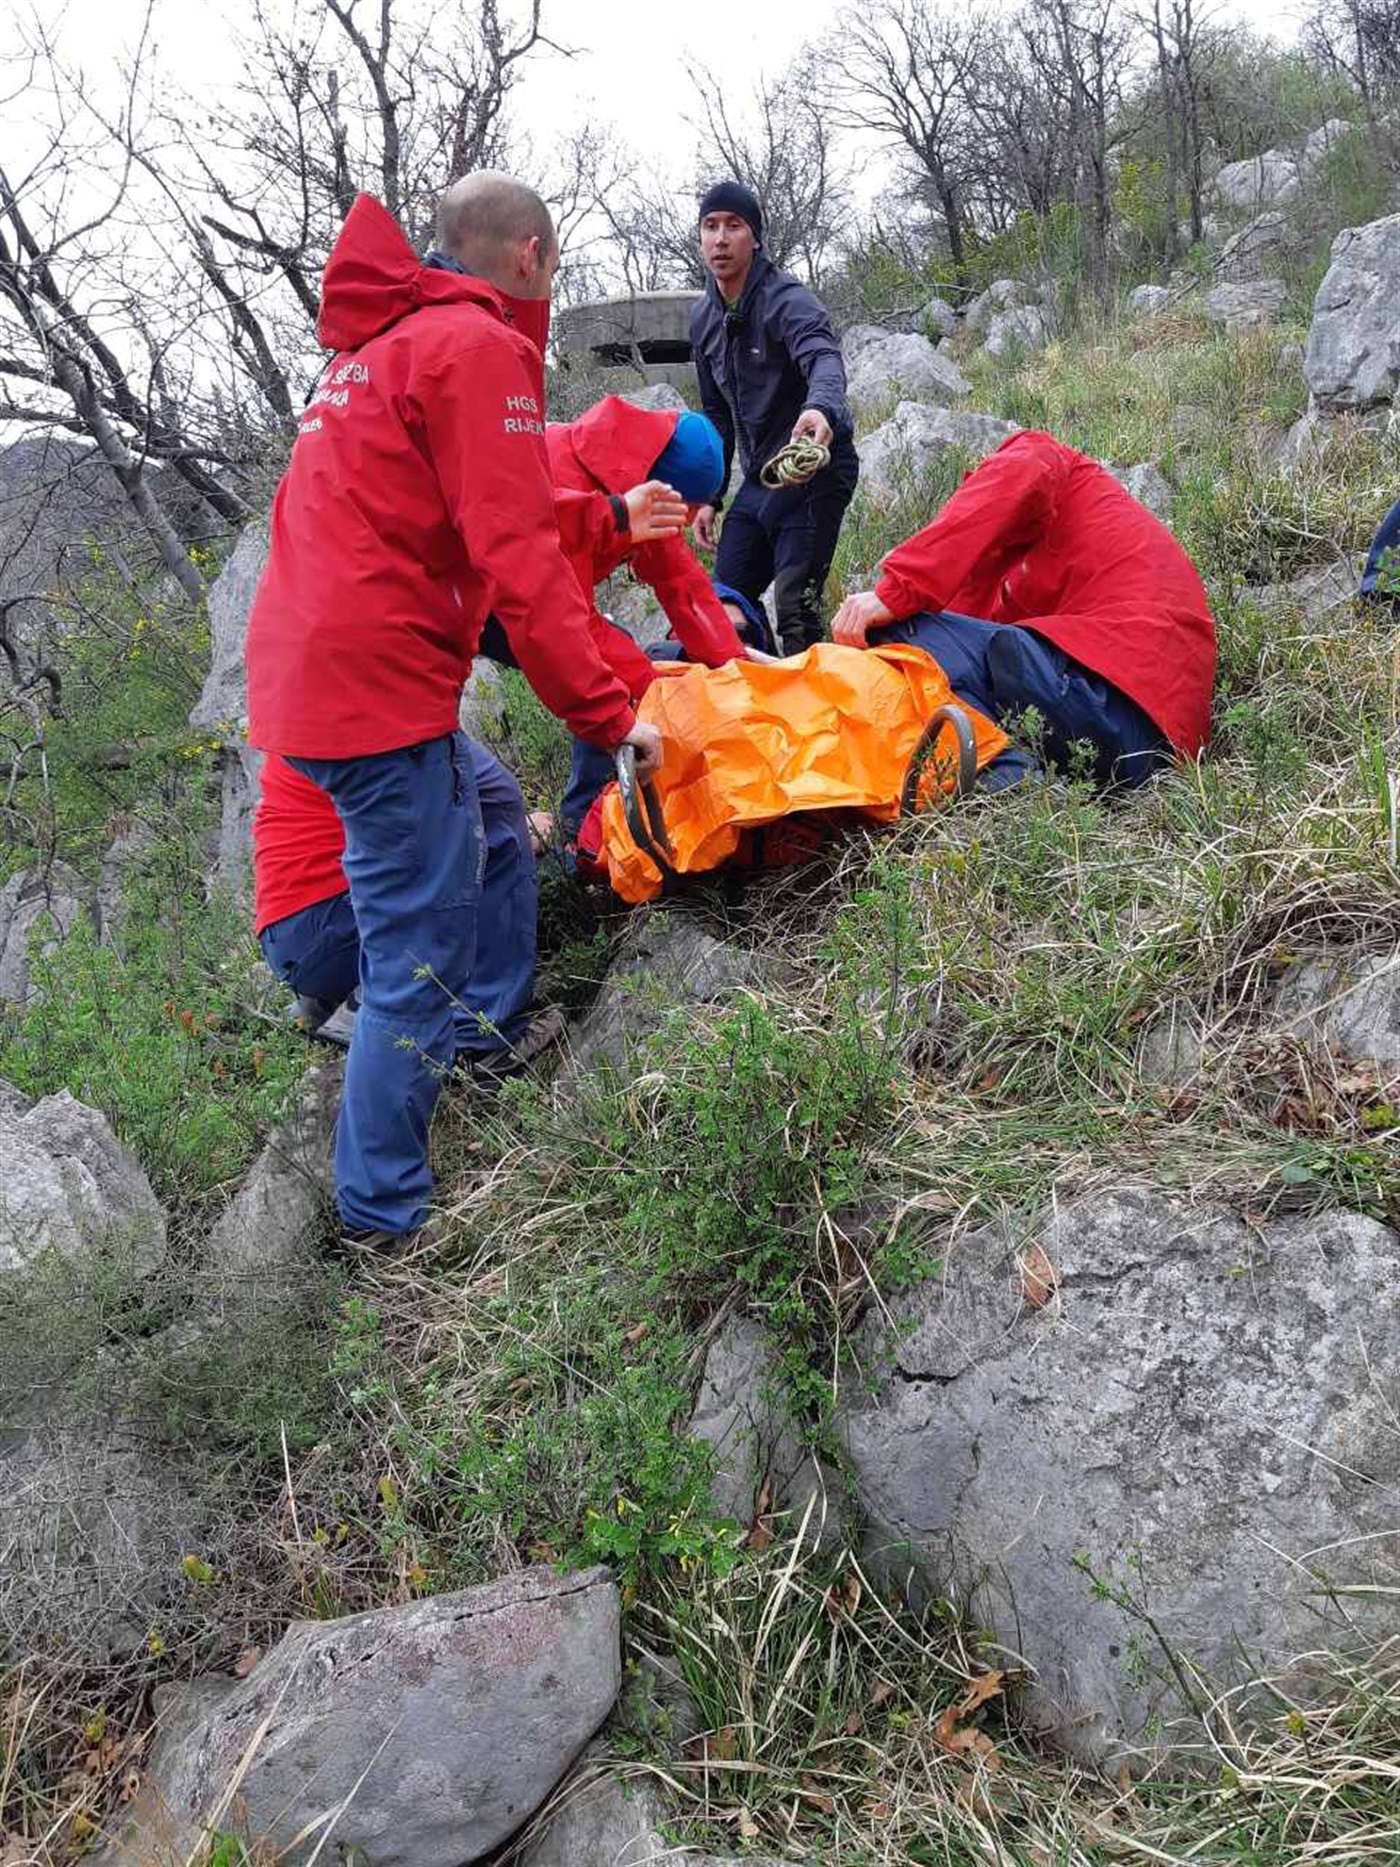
(417, 499)
(1042, 583)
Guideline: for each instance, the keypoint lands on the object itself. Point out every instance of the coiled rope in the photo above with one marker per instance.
(795, 464)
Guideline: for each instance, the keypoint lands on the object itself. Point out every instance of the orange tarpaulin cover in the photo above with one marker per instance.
(748, 743)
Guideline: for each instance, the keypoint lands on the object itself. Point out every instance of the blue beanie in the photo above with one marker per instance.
(693, 461)
(734, 198)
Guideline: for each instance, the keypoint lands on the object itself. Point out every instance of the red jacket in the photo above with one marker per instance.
(612, 449)
(297, 845)
(417, 499)
(1042, 536)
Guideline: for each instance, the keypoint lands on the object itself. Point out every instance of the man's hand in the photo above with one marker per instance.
(650, 749)
(814, 425)
(705, 527)
(857, 614)
(654, 510)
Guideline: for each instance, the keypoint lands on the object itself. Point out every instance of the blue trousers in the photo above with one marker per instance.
(1002, 670)
(443, 894)
(1386, 539)
(788, 538)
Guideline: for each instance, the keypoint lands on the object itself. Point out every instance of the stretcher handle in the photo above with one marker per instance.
(642, 808)
(932, 733)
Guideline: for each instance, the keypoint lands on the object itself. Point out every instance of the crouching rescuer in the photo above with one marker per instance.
(418, 498)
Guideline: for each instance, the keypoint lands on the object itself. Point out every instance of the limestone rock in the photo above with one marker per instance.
(1267, 181)
(462, 1712)
(222, 707)
(891, 364)
(1351, 1003)
(1241, 306)
(1316, 594)
(936, 317)
(274, 1216)
(1000, 295)
(1148, 487)
(1250, 252)
(42, 903)
(1024, 330)
(657, 396)
(603, 1819)
(741, 1413)
(68, 1186)
(1353, 353)
(1202, 1418)
(481, 712)
(668, 960)
(896, 456)
(1171, 1049)
(1150, 301)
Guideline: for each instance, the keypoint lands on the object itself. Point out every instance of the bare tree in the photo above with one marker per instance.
(907, 71)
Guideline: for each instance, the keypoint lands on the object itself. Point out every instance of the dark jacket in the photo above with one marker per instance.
(761, 364)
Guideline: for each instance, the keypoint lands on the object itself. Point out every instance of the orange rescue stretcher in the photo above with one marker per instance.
(826, 735)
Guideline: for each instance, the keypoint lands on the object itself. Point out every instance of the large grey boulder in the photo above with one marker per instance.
(38, 909)
(763, 1470)
(1000, 295)
(1245, 305)
(68, 1187)
(1352, 360)
(936, 318)
(422, 1736)
(1150, 301)
(1350, 1003)
(222, 708)
(1024, 330)
(1252, 251)
(896, 456)
(1187, 1456)
(660, 397)
(668, 961)
(1270, 180)
(884, 366)
(276, 1214)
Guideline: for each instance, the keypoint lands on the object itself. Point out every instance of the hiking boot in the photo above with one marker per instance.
(488, 1069)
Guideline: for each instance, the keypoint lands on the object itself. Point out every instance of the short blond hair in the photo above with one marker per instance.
(483, 216)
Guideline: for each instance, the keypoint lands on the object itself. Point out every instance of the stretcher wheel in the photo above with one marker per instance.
(642, 808)
(941, 718)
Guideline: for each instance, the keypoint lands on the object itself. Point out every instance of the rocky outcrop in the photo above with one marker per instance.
(1273, 179)
(1252, 251)
(1243, 306)
(1023, 330)
(668, 961)
(1001, 295)
(68, 1187)
(896, 456)
(765, 1478)
(275, 1216)
(936, 318)
(222, 708)
(1185, 1457)
(882, 366)
(1352, 360)
(38, 907)
(421, 1736)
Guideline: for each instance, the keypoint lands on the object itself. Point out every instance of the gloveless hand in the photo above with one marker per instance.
(654, 510)
(650, 748)
(705, 527)
(858, 613)
(812, 423)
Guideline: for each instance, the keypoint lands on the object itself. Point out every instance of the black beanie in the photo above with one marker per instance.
(733, 198)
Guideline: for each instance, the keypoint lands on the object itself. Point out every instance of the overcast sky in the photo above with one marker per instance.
(629, 71)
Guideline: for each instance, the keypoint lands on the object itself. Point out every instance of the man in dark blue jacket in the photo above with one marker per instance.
(770, 369)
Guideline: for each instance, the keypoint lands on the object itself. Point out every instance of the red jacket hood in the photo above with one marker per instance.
(373, 278)
(615, 442)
